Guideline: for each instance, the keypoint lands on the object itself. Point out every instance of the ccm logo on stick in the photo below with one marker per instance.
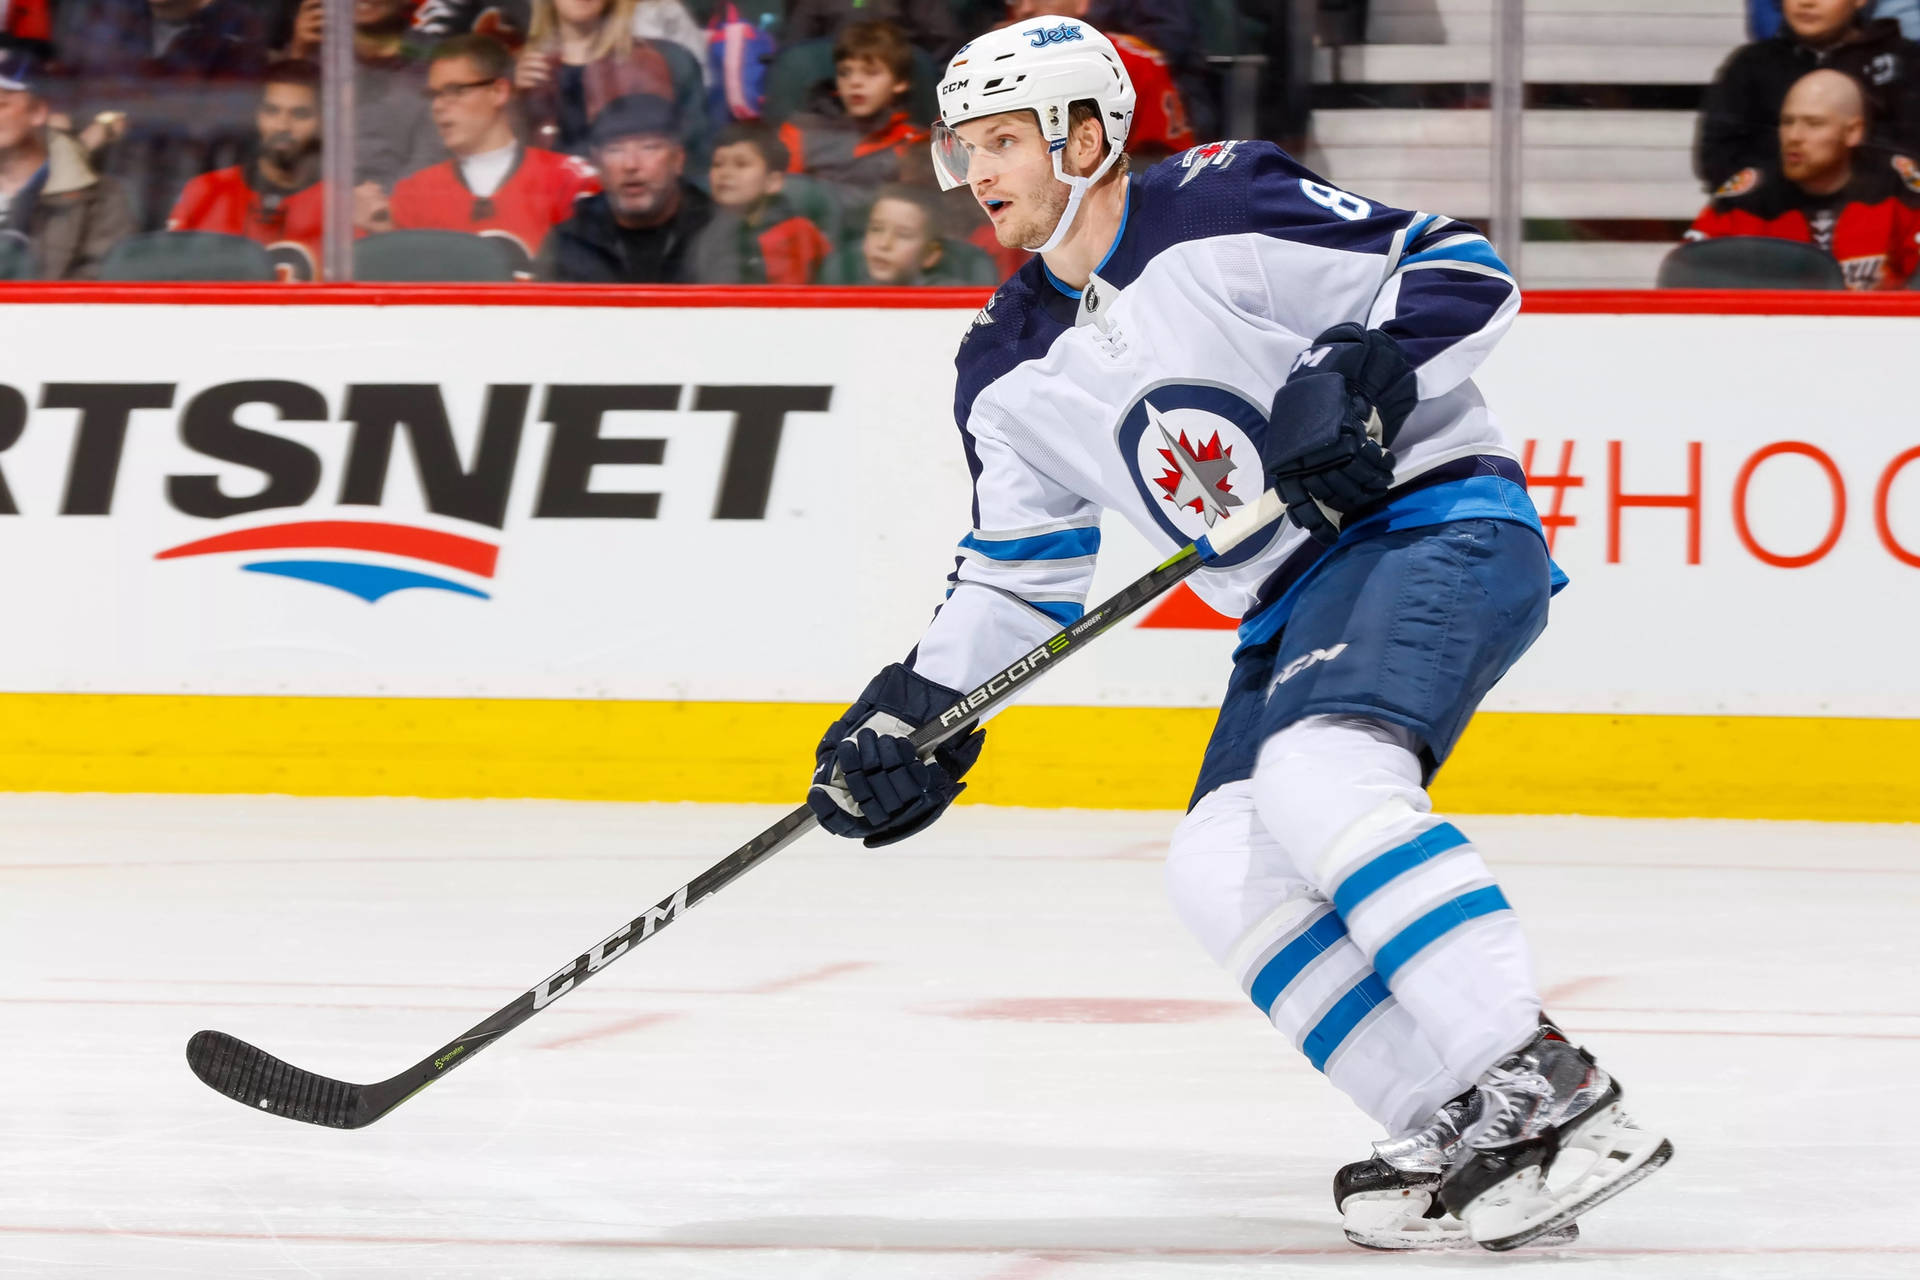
(607, 952)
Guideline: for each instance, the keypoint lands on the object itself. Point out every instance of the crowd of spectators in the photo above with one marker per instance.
(615, 141)
(1810, 132)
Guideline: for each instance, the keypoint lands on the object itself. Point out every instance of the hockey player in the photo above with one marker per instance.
(1186, 338)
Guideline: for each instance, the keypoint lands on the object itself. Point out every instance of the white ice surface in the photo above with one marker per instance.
(991, 1054)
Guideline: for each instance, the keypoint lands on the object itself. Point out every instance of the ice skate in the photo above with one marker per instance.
(1392, 1201)
(1545, 1140)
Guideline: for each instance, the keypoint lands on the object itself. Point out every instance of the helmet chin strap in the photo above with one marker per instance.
(1077, 189)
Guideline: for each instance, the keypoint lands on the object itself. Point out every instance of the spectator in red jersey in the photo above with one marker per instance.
(1825, 191)
(277, 197)
(580, 56)
(642, 227)
(50, 198)
(494, 184)
(756, 237)
(856, 136)
(1160, 125)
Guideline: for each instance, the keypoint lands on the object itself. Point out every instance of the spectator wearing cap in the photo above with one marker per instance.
(277, 198)
(50, 197)
(929, 24)
(642, 226)
(1742, 109)
(857, 136)
(1825, 190)
(494, 184)
(756, 236)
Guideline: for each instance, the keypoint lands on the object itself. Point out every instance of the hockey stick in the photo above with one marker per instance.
(258, 1079)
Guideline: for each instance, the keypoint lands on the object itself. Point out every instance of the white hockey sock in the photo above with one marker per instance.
(1411, 891)
(1237, 891)
(1425, 909)
(1316, 987)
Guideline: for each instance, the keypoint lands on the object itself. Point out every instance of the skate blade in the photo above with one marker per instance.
(1599, 1195)
(1442, 1241)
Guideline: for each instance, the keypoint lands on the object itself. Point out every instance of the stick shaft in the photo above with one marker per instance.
(255, 1078)
(989, 697)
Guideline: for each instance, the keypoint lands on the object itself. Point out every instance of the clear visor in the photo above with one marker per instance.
(949, 157)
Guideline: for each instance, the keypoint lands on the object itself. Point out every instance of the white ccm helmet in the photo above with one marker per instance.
(1042, 66)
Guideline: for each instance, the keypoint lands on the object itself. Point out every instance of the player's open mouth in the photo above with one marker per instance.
(995, 208)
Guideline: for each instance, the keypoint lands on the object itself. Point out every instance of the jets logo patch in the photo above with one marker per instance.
(1197, 478)
(1194, 453)
(1738, 185)
(1909, 173)
(1198, 159)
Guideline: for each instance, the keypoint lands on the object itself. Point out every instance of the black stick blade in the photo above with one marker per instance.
(263, 1082)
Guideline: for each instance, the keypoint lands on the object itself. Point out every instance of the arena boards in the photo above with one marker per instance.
(229, 574)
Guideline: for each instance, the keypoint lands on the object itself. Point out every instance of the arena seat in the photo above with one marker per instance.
(16, 257)
(187, 256)
(1750, 262)
(396, 257)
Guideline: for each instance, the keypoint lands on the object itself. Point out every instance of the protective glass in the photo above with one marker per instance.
(949, 157)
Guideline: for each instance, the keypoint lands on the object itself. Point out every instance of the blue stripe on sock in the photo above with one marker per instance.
(1433, 926)
(1396, 861)
(1291, 960)
(1363, 998)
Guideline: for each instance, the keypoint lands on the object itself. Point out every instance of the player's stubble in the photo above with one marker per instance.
(1048, 203)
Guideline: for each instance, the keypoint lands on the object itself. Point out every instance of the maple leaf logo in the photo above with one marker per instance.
(1196, 479)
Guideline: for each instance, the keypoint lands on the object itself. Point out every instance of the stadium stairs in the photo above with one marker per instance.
(1613, 89)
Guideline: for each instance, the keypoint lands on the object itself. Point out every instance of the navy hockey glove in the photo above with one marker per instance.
(1333, 425)
(867, 781)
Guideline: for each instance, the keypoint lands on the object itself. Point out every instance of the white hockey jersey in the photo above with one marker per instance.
(1148, 393)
